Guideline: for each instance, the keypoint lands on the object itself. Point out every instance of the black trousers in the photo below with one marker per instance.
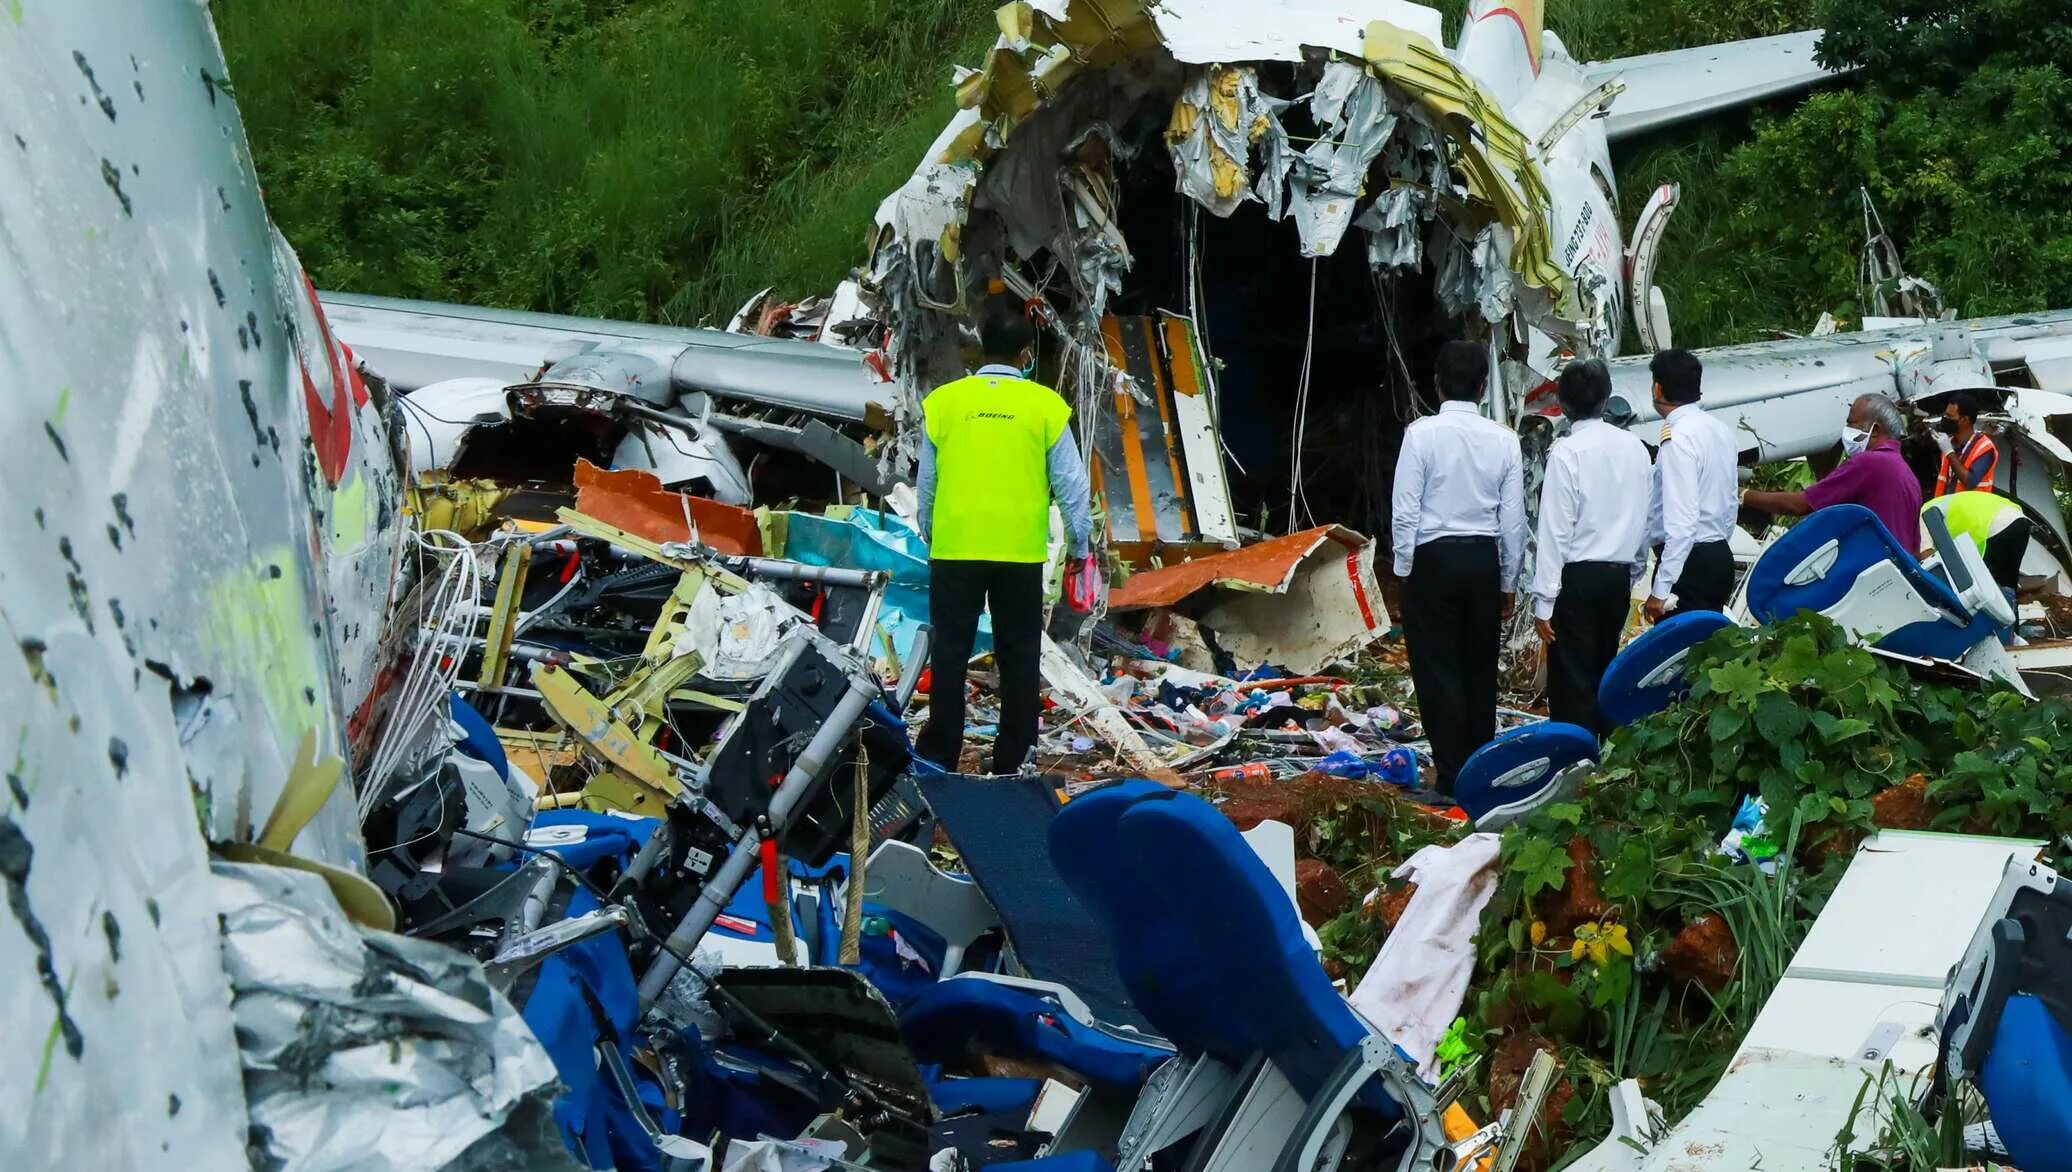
(957, 593)
(2004, 552)
(1707, 581)
(1452, 616)
(1589, 616)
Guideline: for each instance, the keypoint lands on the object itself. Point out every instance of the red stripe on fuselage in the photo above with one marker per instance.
(1524, 34)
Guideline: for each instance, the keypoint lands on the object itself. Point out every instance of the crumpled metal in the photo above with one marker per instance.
(1395, 227)
(1325, 181)
(1216, 120)
(1477, 276)
(1099, 252)
(365, 1050)
(685, 1006)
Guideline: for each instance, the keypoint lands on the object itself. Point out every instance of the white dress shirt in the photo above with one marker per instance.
(1696, 495)
(1459, 475)
(1593, 506)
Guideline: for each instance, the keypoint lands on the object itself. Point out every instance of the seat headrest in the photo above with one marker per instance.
(1519, 765)
(1648, 675)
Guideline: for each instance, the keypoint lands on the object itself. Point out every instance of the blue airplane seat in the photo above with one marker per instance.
(2027, 1082)
(1842, 562)
(1522, 770)
(1086, 852)
(984, 1096)
(1073, 1162)
(1239, 979)
(2006, 1016)
(1648, 675)
(974, 1014)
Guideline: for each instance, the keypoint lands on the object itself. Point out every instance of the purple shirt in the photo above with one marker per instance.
(1879, 480)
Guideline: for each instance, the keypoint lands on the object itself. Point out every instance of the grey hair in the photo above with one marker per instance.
(1884, 413)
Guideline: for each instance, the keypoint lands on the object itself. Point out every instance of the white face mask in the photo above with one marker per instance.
(1854, 441)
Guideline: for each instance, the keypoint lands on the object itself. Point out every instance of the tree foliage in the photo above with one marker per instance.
(663, 159)
(1958, 125)
(654, 159)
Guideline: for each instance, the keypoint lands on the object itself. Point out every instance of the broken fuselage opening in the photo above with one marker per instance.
(1222, 199)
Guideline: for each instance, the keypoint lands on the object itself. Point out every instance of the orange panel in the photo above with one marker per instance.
(635, 501)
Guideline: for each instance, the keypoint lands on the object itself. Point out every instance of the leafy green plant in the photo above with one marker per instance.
(1815, 726)
(1901, 1137)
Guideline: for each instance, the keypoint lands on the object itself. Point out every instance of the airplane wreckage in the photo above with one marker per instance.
(549, 759)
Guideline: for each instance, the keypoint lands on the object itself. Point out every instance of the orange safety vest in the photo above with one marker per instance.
(1979, 447)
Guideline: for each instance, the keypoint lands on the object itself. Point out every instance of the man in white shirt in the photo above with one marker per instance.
(1592, 544)
(1458, 533)
(1696, 496)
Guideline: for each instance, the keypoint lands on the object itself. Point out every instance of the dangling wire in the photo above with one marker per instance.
(859, 848)
(1296, 491)
(421, 700)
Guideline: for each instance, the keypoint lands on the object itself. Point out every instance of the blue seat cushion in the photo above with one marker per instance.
(1648, 675)
(969, 1015)
(959, 1096)
(1520, 763)
(1238, 978)
(594, 1122)
(2027, 1081)
(1085, 848)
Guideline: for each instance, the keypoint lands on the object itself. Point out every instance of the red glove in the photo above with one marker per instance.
(1082, 584)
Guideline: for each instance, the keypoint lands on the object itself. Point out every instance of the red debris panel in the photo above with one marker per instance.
(635, 501)
(1269, 565)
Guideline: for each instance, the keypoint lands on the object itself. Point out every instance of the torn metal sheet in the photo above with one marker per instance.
(1473, 277)
(849, 459)
(437, 418)
(1300, 602)
(1217, 121)
(369, 1050)
(689, 456)
(1327, 179)
(1395, 227)
(1155, 463)
(636, 502)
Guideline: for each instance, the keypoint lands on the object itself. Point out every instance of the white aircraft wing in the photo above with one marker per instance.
(1788, 398)
(1663, 89)
(415, 343)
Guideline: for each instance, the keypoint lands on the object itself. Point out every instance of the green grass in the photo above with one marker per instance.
(654, 159)
(665, 159)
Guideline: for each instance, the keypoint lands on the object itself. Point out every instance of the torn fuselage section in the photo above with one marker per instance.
(1245, 268)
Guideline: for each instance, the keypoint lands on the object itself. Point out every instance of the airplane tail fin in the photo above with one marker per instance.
(1517, 21)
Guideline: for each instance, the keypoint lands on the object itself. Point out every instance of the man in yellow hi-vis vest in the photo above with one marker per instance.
(1993, 523)
(996, 451)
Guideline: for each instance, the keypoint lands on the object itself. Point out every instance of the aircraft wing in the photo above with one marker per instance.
(1787, 398)
(1663, 89)
(415, 343)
